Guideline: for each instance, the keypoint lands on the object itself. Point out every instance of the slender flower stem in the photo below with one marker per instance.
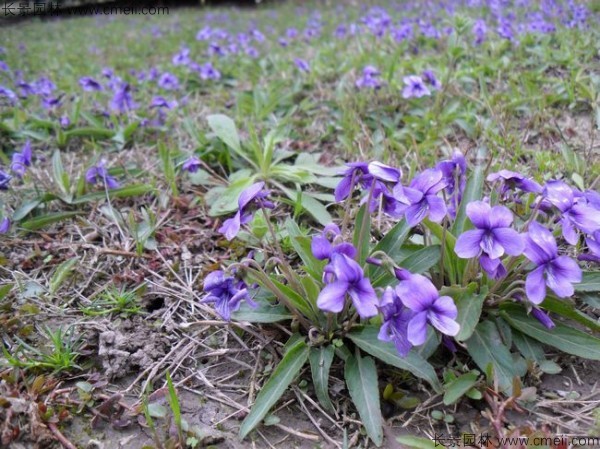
(347, 204)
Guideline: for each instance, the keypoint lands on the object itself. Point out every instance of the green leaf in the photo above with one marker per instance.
(589, 283)
(566, 308)
(320, 364)
(301, 244)
(361, 378)
(282, 377)
(47, 219)
(310, 205)
(469, 305)
(528, 347)
(264, 313)
(122, 192)
(417, 442)
(565, 338)
(488, 350)
(95, 133)
(226, 130)
(296, 299)
(61, 178)
(61, 274)
(459, 387)
(157, 410)
(392, 243)
(5, 290)
(366, 339)
(473, 192)
(422, 259)
(362, 233)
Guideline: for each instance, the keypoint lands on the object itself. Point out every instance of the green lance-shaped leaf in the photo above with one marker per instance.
(122, 192)
(320, 364)
(61, 274)
(282, 377)
(567, 339)
(366, 339)
(361, 379)
(487, 349)
(589, 283)
(226, 130)
(473, 192)
(469, 304)
(459, 387)
(47, 219)
(362, 233)
(568, 309)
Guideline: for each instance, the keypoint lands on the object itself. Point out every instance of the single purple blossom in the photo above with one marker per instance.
(421, 197)
(430, 78)
(207, 71)
(358, 172)
(492, 235)
(420, 295)
(479, 30)
(302, 65)
(370, 78)
(65, 122)
(168, 81)
(182, 57)
(575, 214)
(4, 180)
(122, 100)
(454, 172)
(22, 160)
(226, 293)
(348, 280)
(192, 164)
(551, 270)
(414, 87)
(99, 173)
(543, 318)
(4, 225)
(89, 84)
(395, 321)
(324, 245)
(510, 180)
(162, 102)
(255, 194)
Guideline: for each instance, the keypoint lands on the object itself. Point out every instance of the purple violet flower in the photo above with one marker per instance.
(168, 81)
(255, 194)
(554, 271)
(358, 172)
(510, 180)
(192, 164)
(226, 293)
(430, 78)
(414, 87)
(348, 280)
(492, 235)
(574, 214)
(324, 245)
(207, 71)
(454, 171)
(421, 197)
(479, 31)
(22, 160)
(89, 84)
(4, 225)
(99, 173)
(369, 79)
(302, 65)
(122, 100)
(182, 57)
(162, 102)
(543, 318)
(395, 321)
(420, 295)
(4, 180)
(65, 122)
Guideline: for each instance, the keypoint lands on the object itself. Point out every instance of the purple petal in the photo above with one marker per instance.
(417, 293)
(346, 269)
(500, 217)
(332, 297)
(231, 226)
(429, 181)
(384, 172)
(444, 305)
(416, 213)
(568, 231)
(364, 298)
(559, 194)
(566, 268)
(321, 248)
(535, 285)
(343, 189)
(249, 194)
(468, 243)
(479, 213)
(417, 329)
(437, 208)
(540, 245)
(511, 240)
